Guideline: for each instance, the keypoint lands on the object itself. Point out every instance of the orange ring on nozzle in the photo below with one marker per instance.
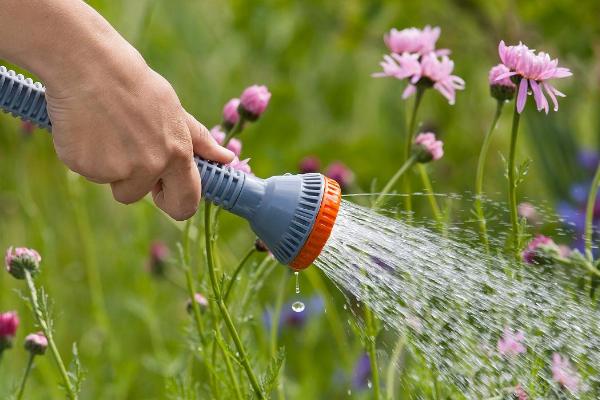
(330, 205)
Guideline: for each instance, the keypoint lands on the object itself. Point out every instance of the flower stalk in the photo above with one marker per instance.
(512, 184)
(479, 176)
(411, 160)
(25, 376)
(589, 215)
(408, 145)
(43, 322)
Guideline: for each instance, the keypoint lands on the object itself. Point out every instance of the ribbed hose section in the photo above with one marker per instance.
(221, 184)
(23, 98)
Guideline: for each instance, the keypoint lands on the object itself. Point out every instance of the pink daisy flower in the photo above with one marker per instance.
(413, 40)
(541, 250)
(230, 112)
(535, 70)
(437, 72)
(564, 374)
(399, 66)
(428, 148)
(510, 344)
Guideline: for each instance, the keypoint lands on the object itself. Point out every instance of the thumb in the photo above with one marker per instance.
(205, 145)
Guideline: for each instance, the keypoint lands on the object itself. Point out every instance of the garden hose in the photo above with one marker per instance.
(292, 214)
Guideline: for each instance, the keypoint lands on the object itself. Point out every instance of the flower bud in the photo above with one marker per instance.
(254, 101)
(235, 145)
(339, 172)
(541, 251)
(200, 300)
(427, 148)
(36, 343)
(159, 256)
(230, 113)
(309, 164)
(9, 322)
(217, 133)
(241, 165)
(502, 89)
(20, 260)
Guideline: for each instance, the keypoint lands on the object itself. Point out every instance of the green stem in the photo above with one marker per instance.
(25, 376)
(388, 187)
(589, 215)
(230, 371)
(235, 130)
(391, 371)
(512, 188)
(237, 271)
(408, 145)
(39, 316)
(372, 349)
(275, 326)
(437, 213)
(222, 306)
(479, 177)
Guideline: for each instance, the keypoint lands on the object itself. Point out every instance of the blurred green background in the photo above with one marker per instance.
(316, 57)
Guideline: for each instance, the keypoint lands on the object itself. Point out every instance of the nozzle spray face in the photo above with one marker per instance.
(292, 214)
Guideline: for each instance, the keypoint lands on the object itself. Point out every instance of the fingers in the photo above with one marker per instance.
(205, 145)
(178, 191)
(129, 191)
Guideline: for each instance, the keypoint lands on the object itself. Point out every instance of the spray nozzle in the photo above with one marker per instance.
(292, 214)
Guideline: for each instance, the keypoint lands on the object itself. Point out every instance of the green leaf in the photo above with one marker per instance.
(76, 372)
(269, 379)
(522, 171)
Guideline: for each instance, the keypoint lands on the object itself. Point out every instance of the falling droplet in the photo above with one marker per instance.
(349, 392)
(298, 306)
(369, 384)
(345, 307)
(297, 282)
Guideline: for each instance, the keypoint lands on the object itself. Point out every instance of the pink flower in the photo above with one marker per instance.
(159, 256)
(541, 250)
(339, 172)
(427, 148)
(36, 343)
(235, 145)
(399, 66)
(230, 113)
(27, 128)
(520, 393)
(436, 72)
(528, 211)
(254, 101)
(9, 322)
(564, 374)
(501, 89)
(200, 300)
(534, 70)
(241, 165)
(510, 344)
(218, 134)
(310, 164)
(22, 259)
(413, 40)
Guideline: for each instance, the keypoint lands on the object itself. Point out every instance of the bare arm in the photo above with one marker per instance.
(114, 119)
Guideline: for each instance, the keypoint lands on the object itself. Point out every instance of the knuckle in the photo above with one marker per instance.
(122, 196)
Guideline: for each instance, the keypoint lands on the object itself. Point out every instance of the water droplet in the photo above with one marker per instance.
(298, 306)
(345, 307)
(369, 384)
(349, 392)
(297, 282)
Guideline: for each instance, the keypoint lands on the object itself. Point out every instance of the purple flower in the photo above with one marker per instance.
(230, 113)
(588, 159)
(254, 101)
(511, 343)
(339, 172)
(362, 372)
(529, 212)
(36, 343)
(20, 259)
(159, 256)
(436, 72)
(534, 71)
(564, 374)
(501, 89)
(309, 164)
(427, 148)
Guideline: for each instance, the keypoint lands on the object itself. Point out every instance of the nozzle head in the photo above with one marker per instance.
(324, 222)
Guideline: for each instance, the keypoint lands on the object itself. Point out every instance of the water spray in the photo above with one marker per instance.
(292, 214)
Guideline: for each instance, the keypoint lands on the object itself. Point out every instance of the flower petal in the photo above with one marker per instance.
(409, 91)
(551, 94)
(522, 95)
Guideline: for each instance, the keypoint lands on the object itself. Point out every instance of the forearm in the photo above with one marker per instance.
(60, 40)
